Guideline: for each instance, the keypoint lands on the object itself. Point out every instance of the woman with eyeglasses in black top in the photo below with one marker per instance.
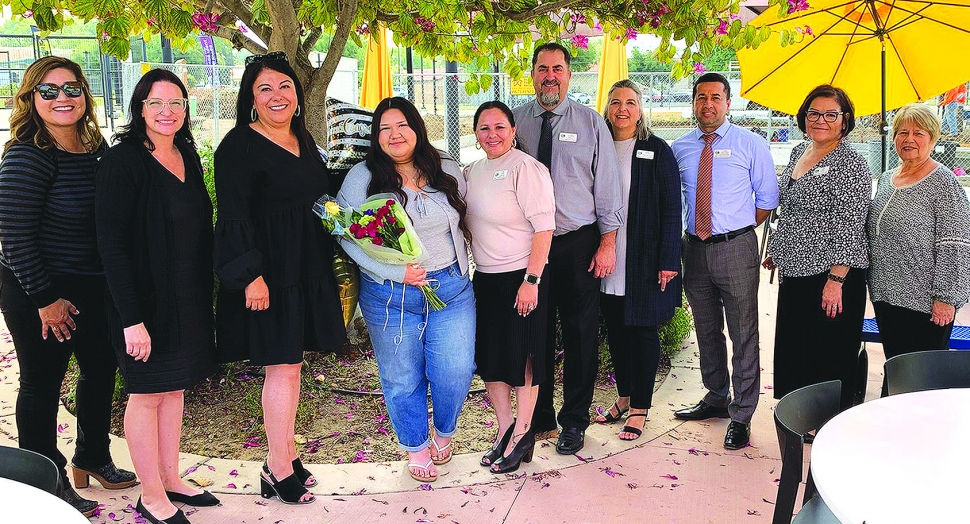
(51, 278)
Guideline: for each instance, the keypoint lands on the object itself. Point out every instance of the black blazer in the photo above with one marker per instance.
(653, 234)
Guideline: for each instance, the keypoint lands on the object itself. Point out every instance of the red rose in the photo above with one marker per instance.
(378, 241)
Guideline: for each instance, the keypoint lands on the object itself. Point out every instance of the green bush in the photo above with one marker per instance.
(207, 154)
(674, 331)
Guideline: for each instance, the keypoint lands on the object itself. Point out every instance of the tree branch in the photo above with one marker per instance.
(540, 10)
(286, 28)
(245, 15)
(238, 39)
(345, 24)
(310, 40)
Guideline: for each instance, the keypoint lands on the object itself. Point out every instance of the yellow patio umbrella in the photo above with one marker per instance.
(613, 67)
(376, 85)
(883, 53)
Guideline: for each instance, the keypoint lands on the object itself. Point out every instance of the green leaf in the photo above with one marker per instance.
(116, 47)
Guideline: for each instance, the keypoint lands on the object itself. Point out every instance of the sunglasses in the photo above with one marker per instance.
(275, 55)
(49, 91)
(175, 105)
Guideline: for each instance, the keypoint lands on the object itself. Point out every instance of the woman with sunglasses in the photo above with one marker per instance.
(820, 250)
(154, 221)
(277, 295)
(51, 279)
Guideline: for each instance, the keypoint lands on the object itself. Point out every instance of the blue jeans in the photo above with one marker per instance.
(416, 346)
(950, 117)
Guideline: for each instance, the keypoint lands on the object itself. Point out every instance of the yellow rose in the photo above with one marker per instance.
(332, 208)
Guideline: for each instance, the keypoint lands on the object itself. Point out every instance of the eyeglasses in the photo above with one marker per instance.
(175, 105)
(48, 91)
(829, 116)
(275, 55)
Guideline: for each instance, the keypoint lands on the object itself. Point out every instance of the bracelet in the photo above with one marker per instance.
(836, 278)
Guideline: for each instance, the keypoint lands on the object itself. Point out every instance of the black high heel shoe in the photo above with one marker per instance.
(177, 518)
(495, 453)
(289, 490)
(302, 473)
(522, 452)
(109, 475)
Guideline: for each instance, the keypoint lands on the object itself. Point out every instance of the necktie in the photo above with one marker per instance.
(545, 141)
(702, 207)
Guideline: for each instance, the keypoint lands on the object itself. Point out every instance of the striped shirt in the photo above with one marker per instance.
(47, 217)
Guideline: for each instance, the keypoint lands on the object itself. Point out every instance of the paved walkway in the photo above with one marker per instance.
(677, 472)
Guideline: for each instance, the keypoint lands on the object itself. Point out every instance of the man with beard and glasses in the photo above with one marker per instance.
(572, 141)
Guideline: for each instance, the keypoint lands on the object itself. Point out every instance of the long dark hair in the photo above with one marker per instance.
(426, 158)
(245, 100)
(27, 127)
(136, 129)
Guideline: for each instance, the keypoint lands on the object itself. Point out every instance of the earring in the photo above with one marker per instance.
(297, 112)
(515, 143)
(478, 145)
(253, 114)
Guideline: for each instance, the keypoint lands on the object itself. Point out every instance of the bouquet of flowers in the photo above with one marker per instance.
(381, 228)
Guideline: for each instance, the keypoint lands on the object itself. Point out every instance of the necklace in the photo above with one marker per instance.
(626, 147)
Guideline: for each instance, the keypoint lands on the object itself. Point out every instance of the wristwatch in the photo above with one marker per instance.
(531, 279)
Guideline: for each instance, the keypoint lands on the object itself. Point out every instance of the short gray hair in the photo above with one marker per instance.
(643, 132)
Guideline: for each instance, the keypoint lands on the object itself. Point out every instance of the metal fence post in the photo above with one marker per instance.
(451, 123)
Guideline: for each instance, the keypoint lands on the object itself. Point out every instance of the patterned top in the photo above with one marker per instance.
(823, 216)
(919, 238)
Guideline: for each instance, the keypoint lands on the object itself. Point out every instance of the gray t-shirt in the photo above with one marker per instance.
(432, 219)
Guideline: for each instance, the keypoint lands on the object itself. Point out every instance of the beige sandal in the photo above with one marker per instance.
(426, 467)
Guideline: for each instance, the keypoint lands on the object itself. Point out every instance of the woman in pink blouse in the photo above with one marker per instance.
(511, 214)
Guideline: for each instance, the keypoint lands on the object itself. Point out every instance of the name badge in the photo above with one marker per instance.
(500, 175)
(823, 170)
(567, 137)
(641, 153)
(722, 153)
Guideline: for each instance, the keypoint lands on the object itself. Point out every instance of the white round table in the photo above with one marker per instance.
(24, 503)
(900, 459)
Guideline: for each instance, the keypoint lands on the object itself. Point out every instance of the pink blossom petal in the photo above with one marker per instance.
(230, 486)
(233, 473)
(669, 476)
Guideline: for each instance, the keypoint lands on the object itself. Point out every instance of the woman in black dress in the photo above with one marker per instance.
(154, 221)
(51, 279)
(277, 294)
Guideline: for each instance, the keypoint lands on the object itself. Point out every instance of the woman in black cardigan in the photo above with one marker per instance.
(154, 223)
(645, 288)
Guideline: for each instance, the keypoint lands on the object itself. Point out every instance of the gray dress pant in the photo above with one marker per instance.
(721, 281)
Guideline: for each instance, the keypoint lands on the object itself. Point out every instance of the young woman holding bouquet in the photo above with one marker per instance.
(512, 214)
(277, 294)
(51, 279)
(154, 223)
(415, 345)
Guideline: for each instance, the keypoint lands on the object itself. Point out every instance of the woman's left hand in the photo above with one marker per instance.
(832, 298)
(942, 313)
(526, 299)
(664, 277)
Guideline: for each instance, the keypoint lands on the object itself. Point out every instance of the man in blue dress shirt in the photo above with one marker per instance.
(730, 186)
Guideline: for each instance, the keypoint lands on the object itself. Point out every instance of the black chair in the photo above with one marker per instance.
(29, 468)
(797, 413)
(923, 370)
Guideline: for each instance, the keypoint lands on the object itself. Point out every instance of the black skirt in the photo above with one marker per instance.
(812, 348)
(506, 341)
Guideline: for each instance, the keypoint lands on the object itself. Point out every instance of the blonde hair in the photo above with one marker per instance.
(919, 115)
(27, 127)
(643, 132)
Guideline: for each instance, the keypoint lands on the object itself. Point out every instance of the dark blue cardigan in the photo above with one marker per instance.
(654, 231)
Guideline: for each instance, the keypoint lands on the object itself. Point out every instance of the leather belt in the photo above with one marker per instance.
(719, 237)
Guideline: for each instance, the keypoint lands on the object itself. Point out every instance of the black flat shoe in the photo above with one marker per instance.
(202, 500)
(302, 473)
(289, 490)
(570, 441)
(737, 436)
(495, 453)
(85, 506)
(522, 452)
(177, 518)
(110, 476)
(701, 411)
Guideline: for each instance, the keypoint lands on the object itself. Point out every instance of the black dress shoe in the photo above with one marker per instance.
(702, 410)
(570, 441)
(202, 500)
(177, 518)
(737, 436)
(85, 506)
